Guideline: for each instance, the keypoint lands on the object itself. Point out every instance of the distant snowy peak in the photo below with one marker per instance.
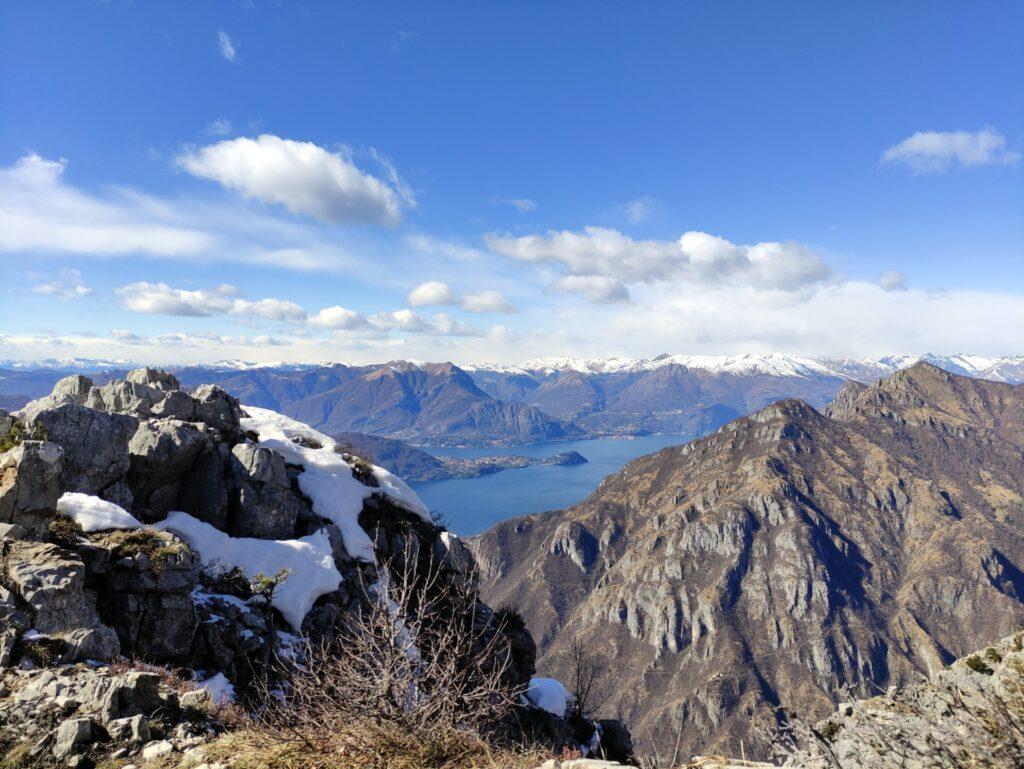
(77, 365)
(1002, 369)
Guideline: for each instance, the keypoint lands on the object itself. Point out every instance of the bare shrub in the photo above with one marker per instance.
(586, 671)
(418, 663)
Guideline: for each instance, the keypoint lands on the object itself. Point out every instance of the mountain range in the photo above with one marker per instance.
(543, 399)
(794, 557)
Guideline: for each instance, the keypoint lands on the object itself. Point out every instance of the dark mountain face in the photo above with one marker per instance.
(433, 403)
(784, 558)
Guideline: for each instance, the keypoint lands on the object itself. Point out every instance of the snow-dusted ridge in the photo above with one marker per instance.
(998, 368)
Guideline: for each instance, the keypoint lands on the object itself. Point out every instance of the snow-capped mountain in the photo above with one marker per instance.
(536, 400)
(1004, 369)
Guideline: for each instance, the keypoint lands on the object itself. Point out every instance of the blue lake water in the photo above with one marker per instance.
(471, 505)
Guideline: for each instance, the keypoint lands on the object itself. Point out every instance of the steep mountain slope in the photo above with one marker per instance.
(784, 557)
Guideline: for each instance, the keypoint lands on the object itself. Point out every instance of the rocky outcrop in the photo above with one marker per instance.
(93, 487)
(784, 559)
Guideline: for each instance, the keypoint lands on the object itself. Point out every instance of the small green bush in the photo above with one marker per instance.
(975, 663)
(992, 655)
(829, 730)
(18, 435)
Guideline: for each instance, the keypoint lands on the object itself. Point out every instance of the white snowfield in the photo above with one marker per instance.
(549, 694)
(95, 514)
(327, 478)
(309, 561)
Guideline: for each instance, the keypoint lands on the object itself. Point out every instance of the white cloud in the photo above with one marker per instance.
(638, 210)
(301, 176)
(433, 292)
(426, 244)
(893, 280)
(339, 318)
(219, 127)
(487, 301)
(696, 258)
(598, 289)
(68, 286)
(269, 309)
(38, 211)
(409, 322)
(227, 46)
(522, 205)
(161, 299)
(938, 151)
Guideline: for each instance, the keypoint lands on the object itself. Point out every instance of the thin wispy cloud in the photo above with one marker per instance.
(522, 205)
(227, 46)
(939, 151)
(68, 286)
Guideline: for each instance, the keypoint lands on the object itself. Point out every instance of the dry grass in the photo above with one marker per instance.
(368, 745)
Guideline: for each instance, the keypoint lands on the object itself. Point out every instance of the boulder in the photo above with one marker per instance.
(204, 492)
(12, 531)
(162, 454)
(95, 445)
(73, 389)
(70, 734)
(177, 405)
(30, 484)
(217, 409)
(267, 508)
(160, 380)
(123, 397)
(51, 581)
(131, 729)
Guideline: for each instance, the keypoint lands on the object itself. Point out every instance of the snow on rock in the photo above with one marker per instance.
(95, 514)
(220, 688)
(327, 479)
(309, 561)
(549, 694)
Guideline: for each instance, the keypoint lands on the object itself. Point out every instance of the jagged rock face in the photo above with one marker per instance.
(784, 557)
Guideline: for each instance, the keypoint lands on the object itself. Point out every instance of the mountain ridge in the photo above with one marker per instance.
(785, 557)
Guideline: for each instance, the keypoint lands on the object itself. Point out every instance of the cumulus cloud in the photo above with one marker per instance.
(696, 257)
(433, 292)
(68, 286)
(339, 318)
(38, 211)
(487, 301)
(409, 322)
(598, 289)
(301, 176)
(161, 299)
(892, 280)
(938, 151)
(227, 46)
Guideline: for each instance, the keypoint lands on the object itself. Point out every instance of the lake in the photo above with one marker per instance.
(471, 505)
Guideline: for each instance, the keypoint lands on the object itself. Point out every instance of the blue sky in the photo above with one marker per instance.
(496, 181)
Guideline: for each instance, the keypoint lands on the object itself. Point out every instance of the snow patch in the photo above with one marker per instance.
(309, 561)
(549, 694)
(327, 479)
(95, 514)
(220, 688)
